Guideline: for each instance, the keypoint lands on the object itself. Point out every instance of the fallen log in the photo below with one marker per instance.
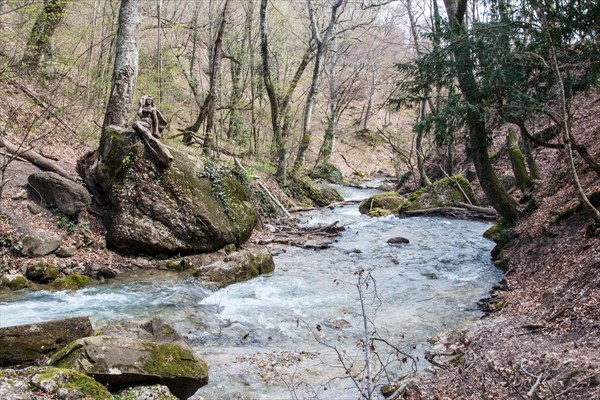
(449, 212)
(484, 210)
(36, 158)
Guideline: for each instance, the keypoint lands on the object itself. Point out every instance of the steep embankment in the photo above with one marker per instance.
(543, 337)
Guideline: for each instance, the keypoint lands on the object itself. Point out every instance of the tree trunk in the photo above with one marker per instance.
(322, 43)
(40, 38)
(273, 100)
(118, 109)
(518, 163)
(214, 75)
(475, 121)
(534, 171)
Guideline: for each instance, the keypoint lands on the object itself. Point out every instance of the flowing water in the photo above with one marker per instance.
(280, 336)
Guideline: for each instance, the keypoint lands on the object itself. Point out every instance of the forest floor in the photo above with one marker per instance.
(542, 339)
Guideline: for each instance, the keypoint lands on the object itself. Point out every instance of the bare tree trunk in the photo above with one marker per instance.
(214, 75)
(40, 38)
(159, 52)
(534, 171)
(369, 109)
(118, 109)
(322, 43)
(273, 100)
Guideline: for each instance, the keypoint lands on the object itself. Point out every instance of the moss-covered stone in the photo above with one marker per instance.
(387, 201)
(42, 272)
(442, 193)
(304, 189)
(499, 233)
(121, 362)
(72, 384)
(13, 282)
(192, 205)
(71, 282)
(379, 212)
(327, 172)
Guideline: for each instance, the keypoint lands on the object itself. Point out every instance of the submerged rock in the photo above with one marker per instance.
(25, 343)
(122, 362)
(67, 195)
(397, 240)
(190, 206)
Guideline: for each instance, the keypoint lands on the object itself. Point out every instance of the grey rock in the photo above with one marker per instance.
(66, 251)
(67, 195)
(42, 272)
(236, 267)
(34, 208)
(40, 243)
(25, 343)
(155, 330)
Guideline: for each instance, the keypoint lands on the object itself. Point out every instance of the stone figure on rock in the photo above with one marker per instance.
(150, 127)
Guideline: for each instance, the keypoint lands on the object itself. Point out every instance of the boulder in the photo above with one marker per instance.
(67, 195)
(390, 201)
(40, 243)
(122, 362)
(236, 267)
(443, 193)
(25, 343)
(155, 330)
(327, 172)
(189, 206)
(71, 282)
(305, 189)
(13, 282)
(66, 251)
(42, 272)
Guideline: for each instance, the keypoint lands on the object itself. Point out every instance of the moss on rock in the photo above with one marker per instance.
(71, 282)
(42, 272)
(13, 282)
(303, 188)
(327, 172)
(76, 384)
(442, 193)
(387, 201)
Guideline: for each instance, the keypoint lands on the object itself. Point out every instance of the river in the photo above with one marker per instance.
(281, 335)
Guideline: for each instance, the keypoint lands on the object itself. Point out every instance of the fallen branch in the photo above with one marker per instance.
(484, 210)
(37, 159)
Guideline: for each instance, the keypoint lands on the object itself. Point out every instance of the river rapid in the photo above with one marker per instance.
(281, 336)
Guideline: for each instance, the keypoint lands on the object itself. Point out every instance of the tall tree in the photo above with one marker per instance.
(39, 43)
(322, 42)
(118, 109)
(475, 117)
(280, 120)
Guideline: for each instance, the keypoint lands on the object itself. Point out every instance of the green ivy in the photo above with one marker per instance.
(216, 177)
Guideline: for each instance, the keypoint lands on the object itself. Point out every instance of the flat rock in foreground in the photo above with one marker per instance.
(120, 362)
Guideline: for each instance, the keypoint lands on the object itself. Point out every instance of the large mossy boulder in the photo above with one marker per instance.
(382, 204)
(26, 343)
(327, 172)
(442, 193)
(306, 190)
(189, 206)
(119, 362)
(156, 330)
